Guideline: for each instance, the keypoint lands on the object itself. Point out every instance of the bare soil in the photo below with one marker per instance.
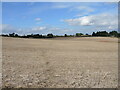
(83, 62)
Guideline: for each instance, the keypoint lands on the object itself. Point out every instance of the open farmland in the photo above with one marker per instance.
(81, 62)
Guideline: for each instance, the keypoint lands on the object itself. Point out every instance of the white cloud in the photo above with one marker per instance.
(83, 8)
(40, 28)
(5, 28)
(37, 19)
(101, 20)
(85, 21)
(89, 9)
(60, 6)
(74, 7)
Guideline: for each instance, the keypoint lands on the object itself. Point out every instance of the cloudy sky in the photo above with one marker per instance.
(58, 18)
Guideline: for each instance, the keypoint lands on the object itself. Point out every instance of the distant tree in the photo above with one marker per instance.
(71, 35)
(93, 34)
(24, 36)
(40, 36)
(5, 35)
(36, 36)
(50, 35)
(16, 35)
(28, 36)
(12, 35)
(102, 33)
(113, 33)
(32, 35)
(65, 35)
(78, 34)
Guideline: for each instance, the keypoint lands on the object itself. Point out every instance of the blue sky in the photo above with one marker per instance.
(58, 17)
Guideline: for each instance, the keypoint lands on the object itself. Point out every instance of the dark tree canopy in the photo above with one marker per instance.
(78, 34)
(100, 33)
(93, 34)
(12, 35)
(65, 35)
(113, 33)
(50, 35)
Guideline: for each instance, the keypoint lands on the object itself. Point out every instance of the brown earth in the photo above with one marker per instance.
(84, 62)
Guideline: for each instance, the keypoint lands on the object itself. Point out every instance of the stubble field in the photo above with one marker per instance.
(83, 62)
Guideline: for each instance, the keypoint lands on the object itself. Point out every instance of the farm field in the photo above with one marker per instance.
(79, 62)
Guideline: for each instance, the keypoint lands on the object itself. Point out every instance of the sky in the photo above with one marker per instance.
(58, 18)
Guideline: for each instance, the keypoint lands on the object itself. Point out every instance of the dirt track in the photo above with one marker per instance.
(71, 62)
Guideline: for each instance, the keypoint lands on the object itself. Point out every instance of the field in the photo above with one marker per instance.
(83, 62)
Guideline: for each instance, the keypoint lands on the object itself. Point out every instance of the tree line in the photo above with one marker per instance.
(50, 35)
(106, 34)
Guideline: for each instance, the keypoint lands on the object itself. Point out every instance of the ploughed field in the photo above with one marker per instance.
(79, 62)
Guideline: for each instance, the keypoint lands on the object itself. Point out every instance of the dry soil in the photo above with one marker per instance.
(84, 62)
